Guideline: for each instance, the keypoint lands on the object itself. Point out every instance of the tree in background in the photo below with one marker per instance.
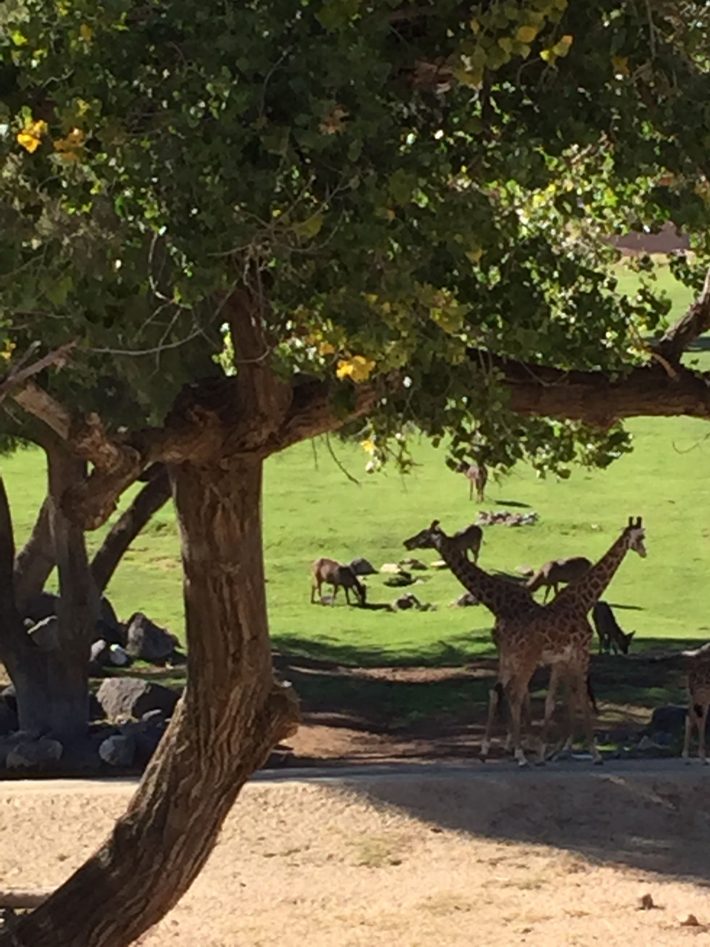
(266, 221)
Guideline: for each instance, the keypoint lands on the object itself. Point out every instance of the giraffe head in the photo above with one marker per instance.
(426, 538)
(636, 534)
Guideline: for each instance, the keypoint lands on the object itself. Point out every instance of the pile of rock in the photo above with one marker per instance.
(134, 715)
(505, 518)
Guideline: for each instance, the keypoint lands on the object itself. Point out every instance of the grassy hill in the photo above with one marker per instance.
(312, 509)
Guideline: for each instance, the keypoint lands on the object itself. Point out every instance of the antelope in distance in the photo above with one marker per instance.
(612, 640)
(558, 570)
(477, 476)
(334, 573)
(698, 667)
(463, 541)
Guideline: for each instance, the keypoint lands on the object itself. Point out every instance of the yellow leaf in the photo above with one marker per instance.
(368, 446)
(357, 368)
(548, 55)
(326, 348)
(86, 32)
(562, 46)
(474, 254)
(31, 135)
(475, 26)
(526, 34)
(621, 65)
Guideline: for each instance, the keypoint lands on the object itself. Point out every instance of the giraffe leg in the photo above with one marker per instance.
(579, 686)
(550, 699)
(516, 697)
(702, 721)
(493, 696)
(689, 721)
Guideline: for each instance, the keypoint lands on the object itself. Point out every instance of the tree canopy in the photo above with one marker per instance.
(414, 196)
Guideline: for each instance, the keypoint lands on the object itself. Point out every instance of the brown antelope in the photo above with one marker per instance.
(558, 570)
(334, 573)
(469, 538)
(611, 637)
(477, 476)
(698, 664)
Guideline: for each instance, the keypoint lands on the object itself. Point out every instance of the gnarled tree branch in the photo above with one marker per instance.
(689, 327)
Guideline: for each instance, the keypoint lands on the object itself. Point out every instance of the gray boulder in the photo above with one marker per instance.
(147, 733)
(99, 656)
(361, 566)
(399, 581)
(147, 641)
(670, 719)
(132, 697)
(45, 633)
(118, 750)
(8, 717)
(8, 695)
(34, 754)
(463, 601)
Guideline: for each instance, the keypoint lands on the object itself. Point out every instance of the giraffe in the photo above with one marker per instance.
(527, 634)
(699, 692)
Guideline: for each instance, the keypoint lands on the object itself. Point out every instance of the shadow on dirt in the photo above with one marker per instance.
(654, 822)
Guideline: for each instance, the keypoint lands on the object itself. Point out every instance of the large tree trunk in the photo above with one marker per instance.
(52, 687)
(35, 561)
(231, 715)
(147, 501)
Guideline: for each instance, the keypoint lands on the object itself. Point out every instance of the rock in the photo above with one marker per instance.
(45, 633)
(391, 568)
(362, 567)
(147, 733)
(148, 641)
(465, 600)
(689, 920)
(96, 711)
(8, 695)
(119, 657)
(118, 750)
(415, 564)
(399, 581)
(646, 903)
(132, 697)
(661, 738)
(669, 718)
(41, 606)
(439, 564)
(99, 655)
(407, 601)
(108, 626)
(8, 717)
(34, 754)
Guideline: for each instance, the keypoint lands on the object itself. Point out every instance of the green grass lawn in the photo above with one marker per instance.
(311, 510)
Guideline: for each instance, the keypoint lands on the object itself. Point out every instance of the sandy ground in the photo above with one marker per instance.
(460, 856)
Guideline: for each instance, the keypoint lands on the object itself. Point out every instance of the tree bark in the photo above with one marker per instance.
(35, 561)
(231, 715)
(52, 687)
(146, 502)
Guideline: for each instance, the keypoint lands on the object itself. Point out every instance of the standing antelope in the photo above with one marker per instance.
(336, 574)
(558, 570)
(698, 663)
(477, 476)
(611, 637)
(469, 538)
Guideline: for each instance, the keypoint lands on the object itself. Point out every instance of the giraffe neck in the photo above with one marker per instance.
(498, 595)
(586, 591)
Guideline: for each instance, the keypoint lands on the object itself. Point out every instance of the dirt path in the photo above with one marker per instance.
(434, 855)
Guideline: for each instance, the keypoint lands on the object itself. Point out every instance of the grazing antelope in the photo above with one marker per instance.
(611, 637)
(338, 575)
(558, 570)
(698, 662)
(469, 538)
(477, 476)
